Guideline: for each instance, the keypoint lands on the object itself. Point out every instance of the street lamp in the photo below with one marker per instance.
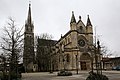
(98, 51)
(76, 63)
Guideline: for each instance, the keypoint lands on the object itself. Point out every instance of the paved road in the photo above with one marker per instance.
(113, 75)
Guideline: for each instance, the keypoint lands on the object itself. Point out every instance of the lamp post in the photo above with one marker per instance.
(76, 57)
(96, 60)
(92, 60)
(76, 63)
(98, 51)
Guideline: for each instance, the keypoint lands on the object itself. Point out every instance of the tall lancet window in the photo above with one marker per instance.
(81, 29)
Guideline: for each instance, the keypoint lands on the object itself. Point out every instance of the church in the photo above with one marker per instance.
(72, 51)
(72, 48)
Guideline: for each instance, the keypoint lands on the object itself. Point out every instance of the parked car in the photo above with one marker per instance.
(116, 68)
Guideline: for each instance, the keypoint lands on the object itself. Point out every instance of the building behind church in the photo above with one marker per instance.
(45, 48)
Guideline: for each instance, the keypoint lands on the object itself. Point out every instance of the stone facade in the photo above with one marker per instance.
(72, 48)
(70, 52)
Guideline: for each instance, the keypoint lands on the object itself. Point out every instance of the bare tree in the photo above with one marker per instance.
(12, 44)
(105, 51)
(46, 36)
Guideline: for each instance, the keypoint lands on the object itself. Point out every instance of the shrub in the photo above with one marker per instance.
(94, 76)
(64, 73)
(1, 75)
(15, 76)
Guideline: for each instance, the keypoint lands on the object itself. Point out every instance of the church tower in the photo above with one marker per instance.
(89, 31)
(73, 22)
(73, 28)
(28, 55)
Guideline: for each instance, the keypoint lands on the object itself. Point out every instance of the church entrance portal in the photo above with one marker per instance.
(85, 61)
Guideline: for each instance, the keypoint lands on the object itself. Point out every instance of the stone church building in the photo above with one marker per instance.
(71, 51)
(72, 48)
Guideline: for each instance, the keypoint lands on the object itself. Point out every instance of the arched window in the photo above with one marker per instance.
(81, 29)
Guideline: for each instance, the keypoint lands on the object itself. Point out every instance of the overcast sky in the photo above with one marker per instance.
(53, 17)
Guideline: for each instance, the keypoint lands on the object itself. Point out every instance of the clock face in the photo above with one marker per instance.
(81, 43)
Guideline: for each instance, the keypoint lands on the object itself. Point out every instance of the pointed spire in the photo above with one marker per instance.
(88, 22)
(29, 19)
(73, 18)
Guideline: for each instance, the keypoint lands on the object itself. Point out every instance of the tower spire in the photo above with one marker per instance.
(73, 18)
(29, 19)
(88, 22)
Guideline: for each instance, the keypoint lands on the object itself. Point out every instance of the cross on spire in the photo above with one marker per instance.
(29, 3)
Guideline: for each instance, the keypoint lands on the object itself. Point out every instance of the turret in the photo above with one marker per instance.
(89, 30)
(88, 22)
(89, 26)
(73, 22)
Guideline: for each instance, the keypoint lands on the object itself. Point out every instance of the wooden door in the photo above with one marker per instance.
(83, 66)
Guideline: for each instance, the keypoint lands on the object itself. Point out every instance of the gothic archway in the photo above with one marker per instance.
(85, 61)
